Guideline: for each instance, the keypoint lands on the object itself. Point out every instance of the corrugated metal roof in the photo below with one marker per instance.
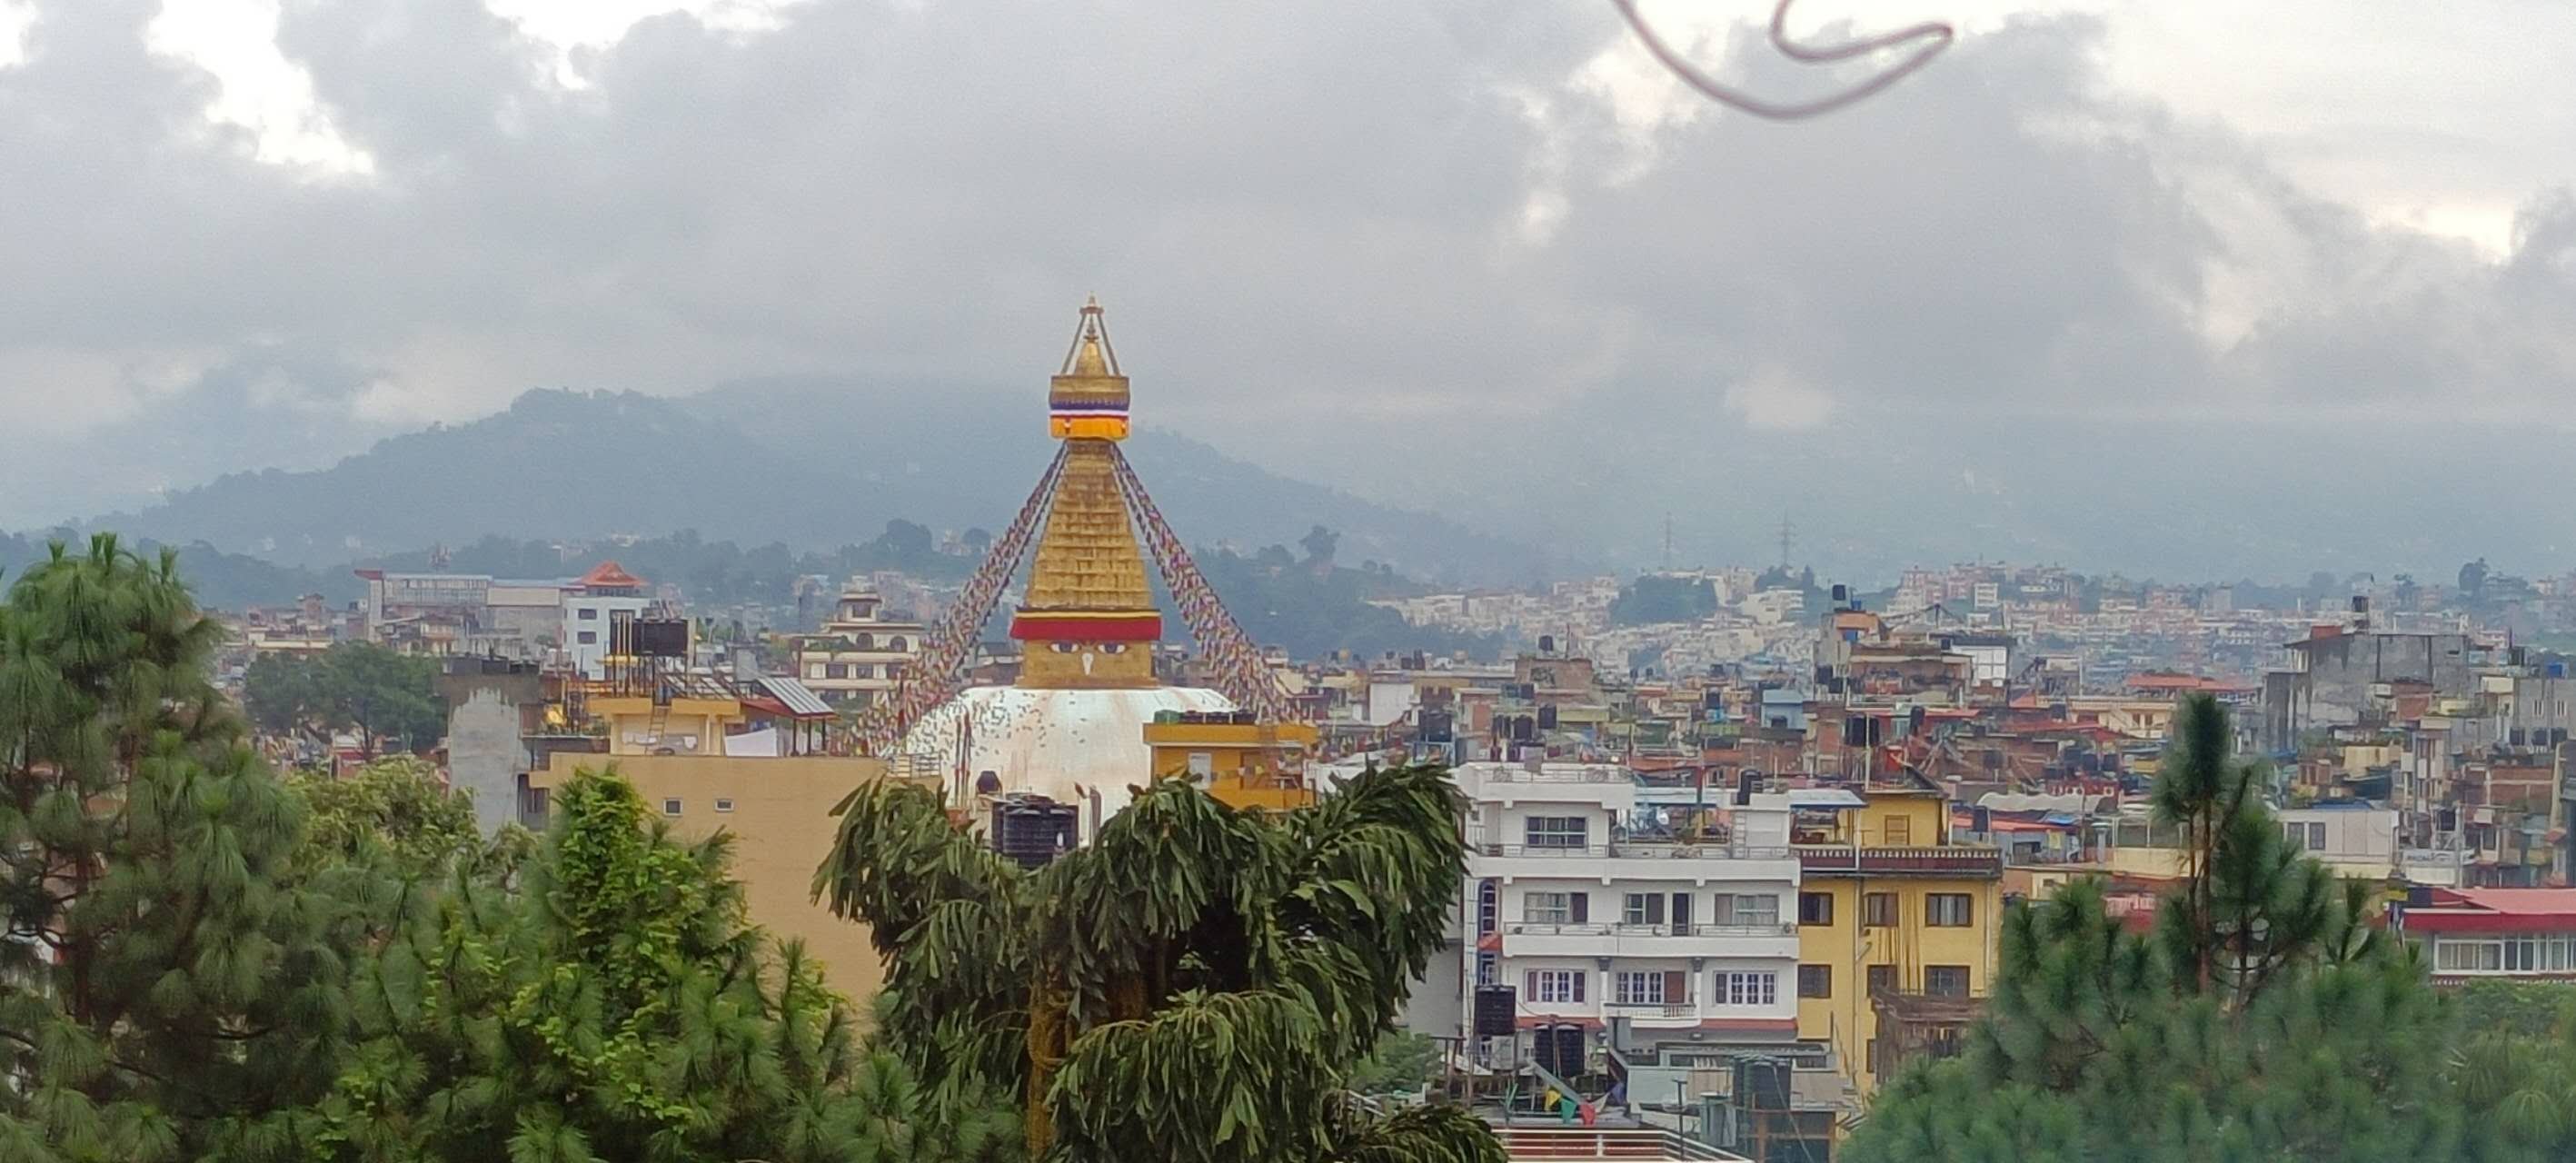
(799, 698)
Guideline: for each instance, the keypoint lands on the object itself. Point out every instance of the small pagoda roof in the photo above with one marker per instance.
(609, 575)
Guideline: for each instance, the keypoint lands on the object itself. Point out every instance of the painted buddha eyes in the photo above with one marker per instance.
(1062, 647)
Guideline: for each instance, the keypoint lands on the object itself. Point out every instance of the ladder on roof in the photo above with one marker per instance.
(653, 727)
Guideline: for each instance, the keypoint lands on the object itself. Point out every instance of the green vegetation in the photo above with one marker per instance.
(176, 986)
(1663, 598)
(211, 963)
(2265, 1018)
(1401, 1063)
(621, 1006)
(360, 686)
(1313, 607)
(1194, 985)
(397, 809)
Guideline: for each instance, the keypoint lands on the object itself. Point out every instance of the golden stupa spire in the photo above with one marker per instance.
(1089, 620)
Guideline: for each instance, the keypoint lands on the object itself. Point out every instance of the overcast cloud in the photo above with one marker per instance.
(1323, 229)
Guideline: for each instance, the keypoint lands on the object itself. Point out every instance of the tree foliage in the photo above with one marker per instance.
(357, 686)
(2264, 1018)
(1194, 985)
(1401, 1063)
(621, 1007)
(172, 982)
(203, 962)
(1663, 598)
(398, 808)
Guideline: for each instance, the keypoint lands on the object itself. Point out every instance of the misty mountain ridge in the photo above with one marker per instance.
(812, 463)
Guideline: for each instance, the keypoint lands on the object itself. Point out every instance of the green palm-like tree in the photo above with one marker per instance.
(1193, 985)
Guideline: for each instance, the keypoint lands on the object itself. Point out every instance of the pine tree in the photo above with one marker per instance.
(171, 986)
(620, 1007)
(2266, 1018)
(1194, 985)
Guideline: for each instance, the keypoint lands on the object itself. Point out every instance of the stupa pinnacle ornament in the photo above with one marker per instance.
(1087, 622)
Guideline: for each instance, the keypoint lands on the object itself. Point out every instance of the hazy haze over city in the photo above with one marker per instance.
(2186, 287)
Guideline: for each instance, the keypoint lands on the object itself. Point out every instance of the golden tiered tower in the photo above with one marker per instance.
(1089, 621)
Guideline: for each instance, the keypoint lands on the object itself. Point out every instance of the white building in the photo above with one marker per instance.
(2358, 840)
(1602, 921)
(860, 656)
(591, 606)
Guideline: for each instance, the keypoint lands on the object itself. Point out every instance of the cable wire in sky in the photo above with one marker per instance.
(1929, 37)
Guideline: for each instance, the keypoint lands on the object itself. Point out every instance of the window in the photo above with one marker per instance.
(1945, 980)
(587, 637)
(1949, 910)
(2467, 956)
(895, 643)
(1555, 908)
(1760, 909)
(1488, 911)
(865, 642)
(1553, 985)
(1815, 981)
(862, 670)
(1556, 831)
(1900, 831)
(1815, 908)
(587, 613)
(815, 670)
(671, 806)
(1878, 910)
(724, 804)
(836, 670)
(1643, 908)
(2311, 836)
(1486, 972)
(1882, 978)
(1202, 763)
(1748, 989)
(1638, 988)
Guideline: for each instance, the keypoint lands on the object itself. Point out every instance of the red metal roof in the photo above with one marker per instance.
(2496, 910)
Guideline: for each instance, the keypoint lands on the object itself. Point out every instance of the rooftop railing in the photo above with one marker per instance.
(1945, 859)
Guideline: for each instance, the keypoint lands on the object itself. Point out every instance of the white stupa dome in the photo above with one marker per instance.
(1049, 742)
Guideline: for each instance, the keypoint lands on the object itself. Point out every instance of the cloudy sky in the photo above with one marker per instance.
(252, 233)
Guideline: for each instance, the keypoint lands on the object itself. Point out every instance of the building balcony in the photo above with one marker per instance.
(1680, 1011)
(1634, 850)
(1528, 939)
(1911, 860)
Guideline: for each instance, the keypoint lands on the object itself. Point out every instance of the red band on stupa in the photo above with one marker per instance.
(1072, 626)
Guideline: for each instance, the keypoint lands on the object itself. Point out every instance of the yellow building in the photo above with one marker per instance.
(1241, 762)
(779, 811)
(701, 715)
(1897, 927)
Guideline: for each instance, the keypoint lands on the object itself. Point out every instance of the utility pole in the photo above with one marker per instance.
(1788, 538)
(1668, 539)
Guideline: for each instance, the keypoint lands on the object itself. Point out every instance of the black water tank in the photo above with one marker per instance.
(1762, 1084)
(1494, 1006)
(1559, 1050)
(1032, 832)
